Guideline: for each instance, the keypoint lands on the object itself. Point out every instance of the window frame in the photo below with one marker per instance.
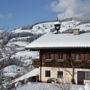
(59, 74)
(47, 73)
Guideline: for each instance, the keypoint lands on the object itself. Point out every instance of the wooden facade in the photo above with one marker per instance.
(79, 57)
(36, 63)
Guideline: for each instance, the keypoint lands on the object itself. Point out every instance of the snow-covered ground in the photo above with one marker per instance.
(48, 86)
(12, 71)
(19, 43)
(26, 54)
(69, 25)
(20, 39)
(19, 30)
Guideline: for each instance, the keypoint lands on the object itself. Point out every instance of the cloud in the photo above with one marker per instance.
(71, 8)
(5, 16)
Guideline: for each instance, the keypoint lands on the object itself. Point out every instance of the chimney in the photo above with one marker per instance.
(76, 31)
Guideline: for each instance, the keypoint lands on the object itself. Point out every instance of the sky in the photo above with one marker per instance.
(17, 13)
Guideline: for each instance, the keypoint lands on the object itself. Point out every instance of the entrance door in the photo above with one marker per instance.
(80, 77)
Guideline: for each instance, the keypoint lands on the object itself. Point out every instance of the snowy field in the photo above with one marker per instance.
(48, 86)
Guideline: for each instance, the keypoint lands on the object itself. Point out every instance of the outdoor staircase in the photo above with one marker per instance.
(23, 74)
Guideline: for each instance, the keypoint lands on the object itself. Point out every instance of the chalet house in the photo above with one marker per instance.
(65, 57)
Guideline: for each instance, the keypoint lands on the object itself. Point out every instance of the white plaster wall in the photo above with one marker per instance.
(67, 74)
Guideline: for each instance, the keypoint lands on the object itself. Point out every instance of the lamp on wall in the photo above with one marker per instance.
(57, 27)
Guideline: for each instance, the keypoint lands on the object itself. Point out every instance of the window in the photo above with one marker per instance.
(48, 57)
(47, 73)
(87, 75)
(59, 74)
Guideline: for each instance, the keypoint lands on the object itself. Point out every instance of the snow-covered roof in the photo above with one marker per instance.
(61, 41)
(32, 73)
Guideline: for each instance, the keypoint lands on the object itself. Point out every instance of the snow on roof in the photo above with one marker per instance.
(61, 41)
(32, 73)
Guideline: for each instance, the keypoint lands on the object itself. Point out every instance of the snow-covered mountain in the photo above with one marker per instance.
(16, 40)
